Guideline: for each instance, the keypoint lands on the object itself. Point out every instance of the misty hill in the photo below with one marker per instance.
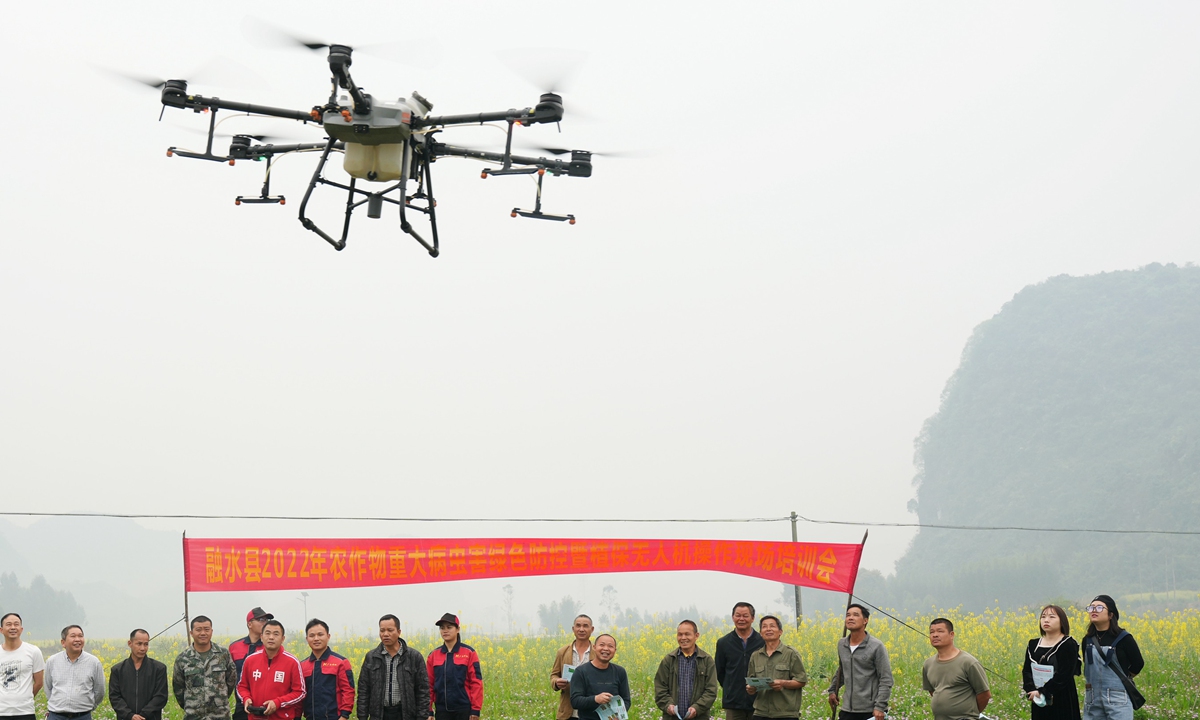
(121, 574)
(1077, 405)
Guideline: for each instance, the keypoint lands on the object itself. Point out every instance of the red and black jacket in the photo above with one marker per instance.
(239, 650)
(329, 682)
(455, 679)
(279, 679)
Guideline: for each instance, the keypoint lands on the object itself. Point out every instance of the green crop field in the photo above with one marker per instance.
(516, 668)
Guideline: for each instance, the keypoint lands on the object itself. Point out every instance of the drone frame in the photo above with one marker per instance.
(425, 150)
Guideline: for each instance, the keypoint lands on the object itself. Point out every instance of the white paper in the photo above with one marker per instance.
(568, 671)
(1041, 674)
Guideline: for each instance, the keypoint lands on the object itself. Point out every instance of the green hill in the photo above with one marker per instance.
(1077, 405)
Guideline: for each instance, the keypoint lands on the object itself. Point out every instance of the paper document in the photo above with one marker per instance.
(1042, 674)
(759, 683)
(568, 672)
(613, 709)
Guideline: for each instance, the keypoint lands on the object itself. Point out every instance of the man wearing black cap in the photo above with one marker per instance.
(239, 650)
(1104, 646)
(455, 678)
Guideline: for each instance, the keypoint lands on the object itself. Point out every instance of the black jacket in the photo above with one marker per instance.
(414, 684)
(1129, 655)
(133, 691)
(732, 664)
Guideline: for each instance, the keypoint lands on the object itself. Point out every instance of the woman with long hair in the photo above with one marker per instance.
(1051, 665)
(1104, 646)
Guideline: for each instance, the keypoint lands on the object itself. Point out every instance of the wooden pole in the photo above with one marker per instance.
(850, 595)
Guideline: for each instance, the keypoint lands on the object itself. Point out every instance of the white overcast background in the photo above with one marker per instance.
(753, 315)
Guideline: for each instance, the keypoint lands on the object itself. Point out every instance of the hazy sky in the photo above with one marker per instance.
(754, 316)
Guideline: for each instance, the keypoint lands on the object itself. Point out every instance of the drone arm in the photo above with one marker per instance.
(556, 167)
(174, 94)
(548, 110)
(255, 152)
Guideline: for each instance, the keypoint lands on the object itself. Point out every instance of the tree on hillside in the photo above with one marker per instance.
(1076, 406)
(44, 611)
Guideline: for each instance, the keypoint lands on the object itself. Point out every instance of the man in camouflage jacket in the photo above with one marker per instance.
(204, 676)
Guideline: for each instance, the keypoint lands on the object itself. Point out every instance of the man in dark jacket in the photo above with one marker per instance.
(328, 679)
(733, 659)
(137, 686)
(392, 682)
(685, 685)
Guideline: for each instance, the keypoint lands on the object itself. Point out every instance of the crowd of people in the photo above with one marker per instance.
(753, 672)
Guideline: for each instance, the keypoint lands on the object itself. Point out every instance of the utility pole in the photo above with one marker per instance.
(187, 627)
(799, 606)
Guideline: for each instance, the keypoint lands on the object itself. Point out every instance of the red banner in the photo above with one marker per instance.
(216, 565)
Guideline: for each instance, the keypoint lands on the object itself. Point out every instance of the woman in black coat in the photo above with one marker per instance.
(1056, 652)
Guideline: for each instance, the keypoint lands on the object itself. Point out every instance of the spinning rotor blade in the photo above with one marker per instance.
(268, 33)
(263, 32)
(550, 70)
(568, 151)
(219, 71)
(262, 139)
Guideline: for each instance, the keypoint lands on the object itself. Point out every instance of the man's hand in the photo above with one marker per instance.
(1034, 695)
(138, 717)
(561, 684)
(879, 714)
(777, 684)
(672, 710)
(473, 717)
(751, 690)
(603, 698)
(691, 713)
(270, 708)
(833, 700)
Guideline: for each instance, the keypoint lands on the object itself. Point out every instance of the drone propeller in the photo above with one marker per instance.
(260, 139)
(219, 71)
(568, 151)
(550, 70)
(267, 33)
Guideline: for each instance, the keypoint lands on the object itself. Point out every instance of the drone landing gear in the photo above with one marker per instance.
(536, 213)
(374, 201)
(264, 196)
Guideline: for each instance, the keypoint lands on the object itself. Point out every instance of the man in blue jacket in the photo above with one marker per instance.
(328, 677)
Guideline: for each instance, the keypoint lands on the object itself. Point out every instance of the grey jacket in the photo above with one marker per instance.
(866, 674)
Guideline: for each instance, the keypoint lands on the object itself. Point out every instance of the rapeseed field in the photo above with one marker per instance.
(517, 667)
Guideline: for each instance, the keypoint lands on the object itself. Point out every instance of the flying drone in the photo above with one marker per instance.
(383, 143)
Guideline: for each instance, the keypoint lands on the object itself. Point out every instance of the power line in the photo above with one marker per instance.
(814, 521)
(1017, 528)
(926, 636)
(154, 516)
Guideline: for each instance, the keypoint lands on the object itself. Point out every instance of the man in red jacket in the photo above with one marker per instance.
(272, 683)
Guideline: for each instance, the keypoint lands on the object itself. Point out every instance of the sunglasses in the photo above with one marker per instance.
(1095, 608)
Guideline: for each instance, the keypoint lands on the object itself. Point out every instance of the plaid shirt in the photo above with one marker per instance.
(687, 680)
(391, 695)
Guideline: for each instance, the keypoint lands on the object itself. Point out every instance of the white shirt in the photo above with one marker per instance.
(16, 678)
